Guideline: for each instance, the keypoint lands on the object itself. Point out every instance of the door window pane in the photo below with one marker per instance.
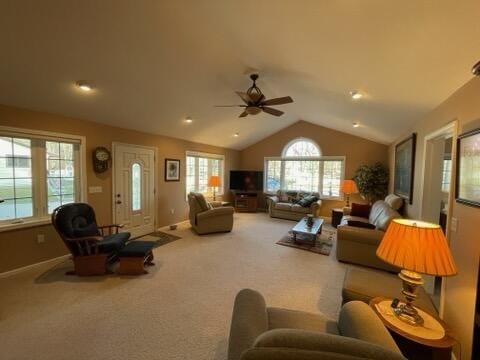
(136, 187)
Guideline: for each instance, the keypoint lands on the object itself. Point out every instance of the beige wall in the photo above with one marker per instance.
(459, 295)
(20, 248)
(357, 151)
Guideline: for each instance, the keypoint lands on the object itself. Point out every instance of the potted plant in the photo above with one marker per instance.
(372, 181)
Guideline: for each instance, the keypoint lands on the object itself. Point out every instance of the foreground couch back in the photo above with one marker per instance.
(265, 333)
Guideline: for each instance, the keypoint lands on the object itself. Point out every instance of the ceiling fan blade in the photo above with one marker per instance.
(244, 96)
(229, 105)
(244, 113)
(272, 111)
(278, 101)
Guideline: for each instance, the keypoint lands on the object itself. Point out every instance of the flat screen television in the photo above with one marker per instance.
(246, 180)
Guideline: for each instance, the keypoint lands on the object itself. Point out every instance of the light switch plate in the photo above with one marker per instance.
(94, 189)
(454, 224)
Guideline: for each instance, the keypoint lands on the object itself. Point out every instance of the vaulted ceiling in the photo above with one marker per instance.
(153, 63)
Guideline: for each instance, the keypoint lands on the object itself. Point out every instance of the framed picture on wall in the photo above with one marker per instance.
(172, 170)
(405, 168)
(467, 185)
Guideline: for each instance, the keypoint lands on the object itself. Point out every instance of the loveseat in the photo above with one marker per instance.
(357, 244)
(259, 332)
(293, 205)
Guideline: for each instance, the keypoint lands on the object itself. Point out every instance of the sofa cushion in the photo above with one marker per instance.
(362, 210)
(361, 224)
(394, 201)
(299, 209)
(283, 206)
(307, 201)
(201, 201)
(284, 318)
(381, 215)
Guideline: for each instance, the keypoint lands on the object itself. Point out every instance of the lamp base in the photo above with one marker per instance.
(411, 281)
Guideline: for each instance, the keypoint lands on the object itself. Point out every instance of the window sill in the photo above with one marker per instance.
(24, 224)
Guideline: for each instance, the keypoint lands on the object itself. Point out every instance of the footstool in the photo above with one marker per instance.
(364, 285)
(134, 257)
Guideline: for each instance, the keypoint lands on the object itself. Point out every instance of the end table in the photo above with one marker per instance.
(337, 214)
(433, 341)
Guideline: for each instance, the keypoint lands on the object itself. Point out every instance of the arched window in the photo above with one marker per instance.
(301, 148)
(136, 187)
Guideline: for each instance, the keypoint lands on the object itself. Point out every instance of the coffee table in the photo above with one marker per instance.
(310, 231)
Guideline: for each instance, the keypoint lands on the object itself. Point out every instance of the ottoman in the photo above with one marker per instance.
(134, 257)
(364, 285)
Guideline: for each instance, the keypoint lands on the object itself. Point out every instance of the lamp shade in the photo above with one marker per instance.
(349, 187)
(214, 181)
(417, 246)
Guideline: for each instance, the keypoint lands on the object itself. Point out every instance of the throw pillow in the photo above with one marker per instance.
(307, 201)
(361, 210)
(360, 224)
(88, 230)
(282, 196)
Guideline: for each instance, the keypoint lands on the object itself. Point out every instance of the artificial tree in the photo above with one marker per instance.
(372, 181)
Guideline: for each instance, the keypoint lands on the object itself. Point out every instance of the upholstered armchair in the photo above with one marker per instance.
(206, 219)
(91, 246)
(259, 332)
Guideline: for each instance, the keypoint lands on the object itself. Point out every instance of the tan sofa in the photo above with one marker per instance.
(358, 245)
(282, 205)
(259, 332)
(206, 219)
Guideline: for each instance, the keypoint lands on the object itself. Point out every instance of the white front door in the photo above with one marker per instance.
(134, 188)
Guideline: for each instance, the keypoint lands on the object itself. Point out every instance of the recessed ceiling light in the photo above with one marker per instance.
(82, 85)
(236, 135)
(188, 120)
(355, 125)
(356, 95)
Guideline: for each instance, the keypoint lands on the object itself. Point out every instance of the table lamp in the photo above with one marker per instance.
(348, 187)
(214, 182)
(417, 248)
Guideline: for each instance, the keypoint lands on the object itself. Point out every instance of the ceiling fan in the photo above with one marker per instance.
(255, 101)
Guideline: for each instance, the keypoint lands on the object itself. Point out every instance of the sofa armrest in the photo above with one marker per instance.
(215, 204)
(273, 199)
(347, 210)
(220, 211)
(357, 320)
(314, 341)
(315, 207)
(249, 320)
(360, 235)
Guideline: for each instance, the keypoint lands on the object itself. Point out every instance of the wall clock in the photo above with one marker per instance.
(101, 159)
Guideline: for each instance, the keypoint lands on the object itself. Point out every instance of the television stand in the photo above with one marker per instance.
(245, 201)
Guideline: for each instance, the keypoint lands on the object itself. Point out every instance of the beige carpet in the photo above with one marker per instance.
(181, 310)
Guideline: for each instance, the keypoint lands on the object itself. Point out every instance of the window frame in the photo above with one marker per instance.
(39, 196)
(322, 159)
(211, 156)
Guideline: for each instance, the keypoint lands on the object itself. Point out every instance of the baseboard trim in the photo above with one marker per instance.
(31, 266)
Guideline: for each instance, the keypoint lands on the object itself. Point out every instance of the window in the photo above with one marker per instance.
(136, 187)
(199, 168)
(303, 168)
(446, 174)
(37, 174)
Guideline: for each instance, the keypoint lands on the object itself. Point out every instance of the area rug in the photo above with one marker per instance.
(323, 244)
(160, 238)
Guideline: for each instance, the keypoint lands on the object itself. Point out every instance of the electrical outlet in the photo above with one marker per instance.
(172, 211)
(40, 238)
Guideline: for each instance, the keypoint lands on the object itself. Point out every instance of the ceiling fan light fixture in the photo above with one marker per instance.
(356, 95)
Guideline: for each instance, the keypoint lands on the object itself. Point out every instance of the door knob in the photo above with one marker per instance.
(118, 202)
